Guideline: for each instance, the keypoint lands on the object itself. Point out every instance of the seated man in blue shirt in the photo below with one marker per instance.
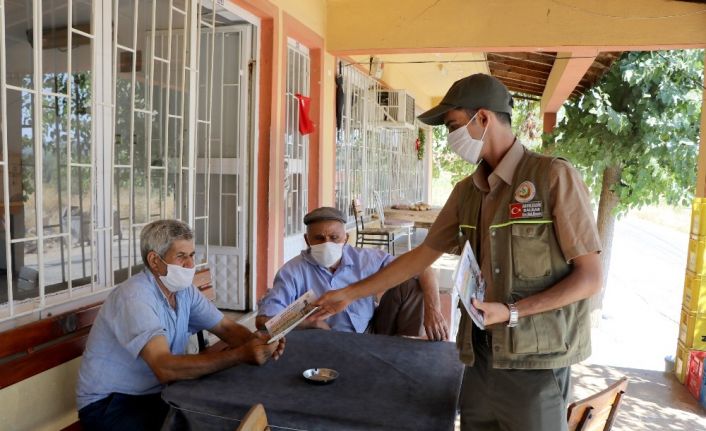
(412, 308)
(138, 340)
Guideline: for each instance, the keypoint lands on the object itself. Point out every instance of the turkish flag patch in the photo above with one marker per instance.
(531, 209)
(516, 210)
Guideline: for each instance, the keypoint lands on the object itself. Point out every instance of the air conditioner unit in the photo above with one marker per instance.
(397, 109)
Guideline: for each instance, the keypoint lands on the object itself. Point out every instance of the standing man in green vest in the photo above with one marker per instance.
(529, 221)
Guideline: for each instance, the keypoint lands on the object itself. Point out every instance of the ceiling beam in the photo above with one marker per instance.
(382, 26)
(567, 72)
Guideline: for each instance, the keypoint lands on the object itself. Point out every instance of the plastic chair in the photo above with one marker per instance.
(254, 420)
(405, 225)
(372, 236)
(598, 411)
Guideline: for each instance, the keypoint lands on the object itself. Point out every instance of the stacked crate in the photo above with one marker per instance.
(691, 348)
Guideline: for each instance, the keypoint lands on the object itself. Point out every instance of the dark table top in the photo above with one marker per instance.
(385, 383)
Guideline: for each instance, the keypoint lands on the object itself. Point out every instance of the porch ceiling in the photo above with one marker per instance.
(528, 72)
(429, 76)
(553, 49)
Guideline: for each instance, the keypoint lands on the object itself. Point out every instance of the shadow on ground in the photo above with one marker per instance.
(654, 400)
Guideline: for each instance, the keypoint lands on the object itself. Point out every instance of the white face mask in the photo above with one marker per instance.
(462, 143)
(327, 254)
(177, 278)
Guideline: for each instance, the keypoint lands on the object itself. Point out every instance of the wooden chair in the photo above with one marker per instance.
(372, 236)
(254, 420)
(598, 411)
(404, 225)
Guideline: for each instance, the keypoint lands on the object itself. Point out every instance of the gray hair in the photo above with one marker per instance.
(159, 235)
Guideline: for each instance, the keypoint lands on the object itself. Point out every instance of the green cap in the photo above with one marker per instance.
(472, 92)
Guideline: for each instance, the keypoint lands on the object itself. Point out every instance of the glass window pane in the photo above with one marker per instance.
(19, 58)
(145, 32)
(81, 102)
(157, 194)
(54, 162)
(82, 261)
(121, 222)
(56, 264)
(4, 238)
(126, 22)
(200, 240)
(140, 169)
(25, 270)
(123, 117)
(159, 89)
(55, 43)
(82, 11)
(20, 140)
(205, 72)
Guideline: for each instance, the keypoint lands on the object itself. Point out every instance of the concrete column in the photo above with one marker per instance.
(548, 121)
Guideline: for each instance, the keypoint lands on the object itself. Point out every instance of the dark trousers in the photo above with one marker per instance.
(400, 312)
(124, 412)
(511, 400)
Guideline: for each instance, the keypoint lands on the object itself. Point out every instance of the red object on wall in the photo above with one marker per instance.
(306, 126)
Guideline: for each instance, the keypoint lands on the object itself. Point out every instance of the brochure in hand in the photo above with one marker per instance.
(291, 316)
(469, 284)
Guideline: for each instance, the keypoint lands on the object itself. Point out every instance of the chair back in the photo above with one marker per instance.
(358, 213)
(598, 411)
(254, 420)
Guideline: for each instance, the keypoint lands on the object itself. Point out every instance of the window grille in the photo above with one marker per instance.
(101, 129)
(369, 156)
(296, 146)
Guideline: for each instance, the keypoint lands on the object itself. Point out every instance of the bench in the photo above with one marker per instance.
(39, 346)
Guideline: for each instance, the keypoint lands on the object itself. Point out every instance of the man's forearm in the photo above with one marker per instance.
(430, 289)
(168, 367)
(234, 334)
(182, 367)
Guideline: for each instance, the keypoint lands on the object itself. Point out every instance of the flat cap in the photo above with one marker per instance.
(323, 213)
(472, 92)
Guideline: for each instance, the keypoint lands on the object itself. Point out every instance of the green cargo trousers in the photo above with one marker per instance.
(511, 400)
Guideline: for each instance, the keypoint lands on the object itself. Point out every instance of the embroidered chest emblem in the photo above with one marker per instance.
(525, 192)
(531, 209)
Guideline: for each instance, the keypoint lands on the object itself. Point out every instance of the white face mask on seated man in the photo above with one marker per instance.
(327, 254)
(178, 277)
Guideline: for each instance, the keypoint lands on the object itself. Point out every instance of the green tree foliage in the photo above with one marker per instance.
(643, 119)
(635, 136)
